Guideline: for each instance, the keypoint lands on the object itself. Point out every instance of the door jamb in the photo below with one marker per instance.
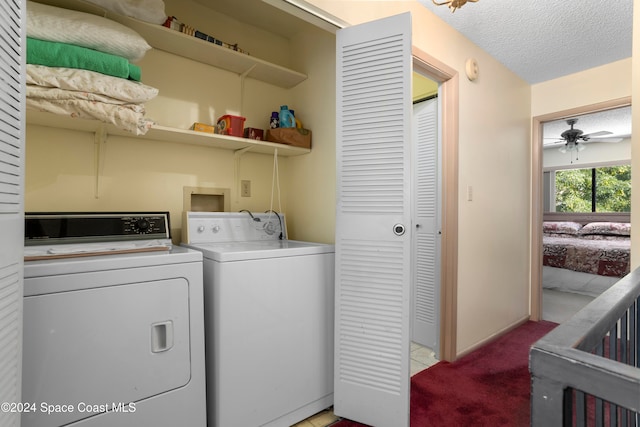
(536, 191)
(448, 79)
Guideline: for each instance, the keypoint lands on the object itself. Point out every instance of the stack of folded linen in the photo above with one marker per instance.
(81, 65)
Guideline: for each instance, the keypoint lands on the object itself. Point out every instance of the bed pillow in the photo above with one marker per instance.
(607, 228)
(561, 227)
(55, 24)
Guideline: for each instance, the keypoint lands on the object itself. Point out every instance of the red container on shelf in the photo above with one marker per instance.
(253, 133)
(231, 125)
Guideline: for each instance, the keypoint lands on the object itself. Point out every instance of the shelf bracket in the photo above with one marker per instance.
(249, 70)
(99, 140)
(242, 77)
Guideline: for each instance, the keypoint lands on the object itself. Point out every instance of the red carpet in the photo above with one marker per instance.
(488, 387)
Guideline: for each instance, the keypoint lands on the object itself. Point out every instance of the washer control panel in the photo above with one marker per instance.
(220, 227)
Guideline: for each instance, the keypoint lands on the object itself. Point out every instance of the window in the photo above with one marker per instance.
(602, 189)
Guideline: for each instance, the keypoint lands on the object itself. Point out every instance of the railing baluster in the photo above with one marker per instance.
(581, 408)
(599, 412)
(613, 343)
(624, 418)
(636, 326)
(592, 361)
(624, 339)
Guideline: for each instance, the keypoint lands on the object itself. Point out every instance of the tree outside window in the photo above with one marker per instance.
(603, 189)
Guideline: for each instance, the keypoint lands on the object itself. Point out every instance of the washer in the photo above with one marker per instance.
(268, 319)
(113, 339)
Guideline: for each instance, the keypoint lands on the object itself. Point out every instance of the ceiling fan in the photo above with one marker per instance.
(574, 139)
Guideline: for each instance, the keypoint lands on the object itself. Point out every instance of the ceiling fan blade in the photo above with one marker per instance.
(601, 133)
(553, 143)
(612, 139)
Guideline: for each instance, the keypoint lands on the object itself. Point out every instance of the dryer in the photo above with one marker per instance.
(116, 338)
(268, 319)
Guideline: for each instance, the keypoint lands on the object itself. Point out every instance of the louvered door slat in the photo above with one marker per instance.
(426, 307)
(12, 43)
(372, 263)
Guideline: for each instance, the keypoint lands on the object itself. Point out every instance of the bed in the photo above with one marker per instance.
(585, 254)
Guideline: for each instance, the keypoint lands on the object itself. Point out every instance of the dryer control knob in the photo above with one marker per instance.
(215, 228)
(143, 225)
(200, 228)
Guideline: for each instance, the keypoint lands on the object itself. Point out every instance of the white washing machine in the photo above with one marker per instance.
(268, 319)
(115, 339)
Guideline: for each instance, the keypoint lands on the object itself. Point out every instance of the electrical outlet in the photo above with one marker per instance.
(245, 188)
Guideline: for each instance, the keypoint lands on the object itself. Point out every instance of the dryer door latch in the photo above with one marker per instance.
(161, 336)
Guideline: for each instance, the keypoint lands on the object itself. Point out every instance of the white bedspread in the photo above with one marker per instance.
(89, 95)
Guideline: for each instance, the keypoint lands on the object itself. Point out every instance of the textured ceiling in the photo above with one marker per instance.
(616, 121)
(541, 40)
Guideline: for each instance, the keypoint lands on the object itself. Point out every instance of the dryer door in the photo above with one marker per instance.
(99, 349)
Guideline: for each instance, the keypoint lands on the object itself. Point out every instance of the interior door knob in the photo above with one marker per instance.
(398, 229)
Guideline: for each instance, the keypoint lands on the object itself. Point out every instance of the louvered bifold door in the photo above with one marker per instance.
(12, 111)
(373, 222)
(426, 292)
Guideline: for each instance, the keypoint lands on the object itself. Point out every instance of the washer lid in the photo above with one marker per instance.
(260, 249)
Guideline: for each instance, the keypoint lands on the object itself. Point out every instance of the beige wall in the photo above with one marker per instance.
(312, 196)
(599, 84)
(150, 175)
(493, 255)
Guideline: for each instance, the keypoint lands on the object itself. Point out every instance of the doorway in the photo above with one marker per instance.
(426, 217)
(537, 193)
(447, 80)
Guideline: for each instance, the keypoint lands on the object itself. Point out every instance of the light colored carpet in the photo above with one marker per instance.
(560, 306)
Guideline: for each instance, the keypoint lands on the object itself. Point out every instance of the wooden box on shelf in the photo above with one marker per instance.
(296, 137)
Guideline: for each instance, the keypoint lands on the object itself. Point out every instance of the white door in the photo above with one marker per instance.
(373, 222)
(12, 107)
(426, 281)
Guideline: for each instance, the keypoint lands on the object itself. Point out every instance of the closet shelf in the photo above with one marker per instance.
(180, 44)
(167, 134)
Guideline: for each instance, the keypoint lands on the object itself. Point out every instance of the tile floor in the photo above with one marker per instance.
(421, 358)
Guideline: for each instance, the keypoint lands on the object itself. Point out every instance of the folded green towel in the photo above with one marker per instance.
(53, 54)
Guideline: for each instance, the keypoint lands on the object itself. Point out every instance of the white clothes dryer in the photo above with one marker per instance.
(113, 339)
(268, 319)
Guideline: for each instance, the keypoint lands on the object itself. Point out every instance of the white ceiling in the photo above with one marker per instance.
(541, 40)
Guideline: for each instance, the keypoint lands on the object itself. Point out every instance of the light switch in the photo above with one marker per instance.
(469, 193)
